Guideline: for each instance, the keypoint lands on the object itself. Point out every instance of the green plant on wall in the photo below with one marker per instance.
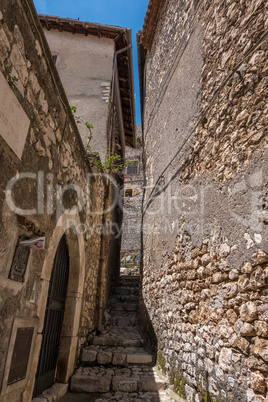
(88, 125)
(74, 109)
(177, 379)
(113, 163)
(161, 361)
(12, 80)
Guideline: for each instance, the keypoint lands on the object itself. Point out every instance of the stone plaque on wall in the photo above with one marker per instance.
(19, 263)
(20, 356)
(14, 123)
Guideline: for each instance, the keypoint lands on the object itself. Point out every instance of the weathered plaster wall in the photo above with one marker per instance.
(205, 219)
(53, 151)
(131, 229)
(85, 66)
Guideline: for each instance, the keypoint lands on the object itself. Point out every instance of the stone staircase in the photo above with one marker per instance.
(118, 365)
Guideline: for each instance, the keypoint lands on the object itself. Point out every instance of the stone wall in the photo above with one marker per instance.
(131, 230)
(205, 209)
(44, 141)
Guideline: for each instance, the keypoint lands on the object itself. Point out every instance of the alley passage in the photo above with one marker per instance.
(118, 366)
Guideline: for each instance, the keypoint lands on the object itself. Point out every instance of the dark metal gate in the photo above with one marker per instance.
(45, 376)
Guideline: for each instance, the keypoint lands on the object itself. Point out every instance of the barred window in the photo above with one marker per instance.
(132, 169)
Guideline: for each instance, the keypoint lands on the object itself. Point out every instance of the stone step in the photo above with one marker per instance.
(117, 305)
(118, 356)
(126, 290)
(121, 319)
(100, 379)
(125, 298)
(150, 396)
(129, 278)
(116, 336)
(129, 282)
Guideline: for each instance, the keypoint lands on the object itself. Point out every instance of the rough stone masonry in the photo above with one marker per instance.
(131, 229)
(205, 249)
(39, 137)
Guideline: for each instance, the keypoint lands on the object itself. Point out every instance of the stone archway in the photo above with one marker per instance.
(71, 321)
(70, 328)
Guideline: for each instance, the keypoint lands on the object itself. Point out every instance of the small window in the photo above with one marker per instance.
(128, 192)
(132, 169)
(54, 57)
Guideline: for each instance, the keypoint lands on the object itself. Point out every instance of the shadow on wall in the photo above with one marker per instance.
(144, 318)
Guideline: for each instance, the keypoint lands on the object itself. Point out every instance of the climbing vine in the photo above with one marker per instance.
(113, 163)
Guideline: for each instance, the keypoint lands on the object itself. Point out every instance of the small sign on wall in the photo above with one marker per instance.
(19, 263)
(21, 257)
(37, 243)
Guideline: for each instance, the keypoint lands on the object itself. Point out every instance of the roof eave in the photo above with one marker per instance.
(150, 22)
(80, 27)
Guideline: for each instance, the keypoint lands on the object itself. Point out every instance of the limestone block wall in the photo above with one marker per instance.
(131, 229)
(205, 210)
(43, 144)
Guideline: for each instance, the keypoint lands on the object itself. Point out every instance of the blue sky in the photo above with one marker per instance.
(123, 13)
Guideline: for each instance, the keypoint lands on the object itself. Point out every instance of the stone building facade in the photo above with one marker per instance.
(49, 191)
(203, 75)
(133, 194)
(97, 77)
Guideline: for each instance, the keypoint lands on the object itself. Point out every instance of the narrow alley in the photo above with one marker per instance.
(134, 201)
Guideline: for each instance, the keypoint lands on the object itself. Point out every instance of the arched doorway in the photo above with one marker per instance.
(69, 340)
(55, 307)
